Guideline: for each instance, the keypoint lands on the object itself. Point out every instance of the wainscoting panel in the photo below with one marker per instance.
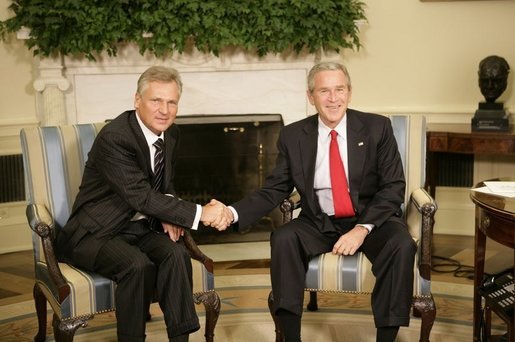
(14, 231)
(456, 212)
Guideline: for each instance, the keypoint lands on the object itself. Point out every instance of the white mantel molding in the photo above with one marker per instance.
(40, 84)
(244, 83)
(71, 90)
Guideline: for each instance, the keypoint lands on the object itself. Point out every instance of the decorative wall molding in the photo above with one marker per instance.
(15, 234)
(50, 86)
(10, 134)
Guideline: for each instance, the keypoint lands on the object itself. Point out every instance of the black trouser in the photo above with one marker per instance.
(390, 249)
(143, 264)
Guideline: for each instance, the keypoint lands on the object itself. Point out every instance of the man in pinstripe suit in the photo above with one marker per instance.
(109, 231)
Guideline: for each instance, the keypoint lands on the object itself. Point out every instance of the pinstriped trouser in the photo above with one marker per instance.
(143, 264)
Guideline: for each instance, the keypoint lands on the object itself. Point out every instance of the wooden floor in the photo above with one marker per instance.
(17, 269)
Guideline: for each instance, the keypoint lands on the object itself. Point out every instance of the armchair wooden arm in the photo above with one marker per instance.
(196, 253)
(41, 222)
(426, 207)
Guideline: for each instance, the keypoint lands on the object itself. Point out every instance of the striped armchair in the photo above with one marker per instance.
(353, 274)
(54, 159)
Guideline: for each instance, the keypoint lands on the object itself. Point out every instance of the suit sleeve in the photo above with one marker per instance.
(121, 164)
(278, 185)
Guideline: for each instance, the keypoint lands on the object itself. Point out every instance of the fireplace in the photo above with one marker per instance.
(226, 157)
(72, 90)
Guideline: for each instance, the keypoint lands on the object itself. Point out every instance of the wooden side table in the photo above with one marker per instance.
(459, 138)
(495, 219)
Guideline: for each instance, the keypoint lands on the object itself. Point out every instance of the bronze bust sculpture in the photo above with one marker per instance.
(493, 77)
(493, 80)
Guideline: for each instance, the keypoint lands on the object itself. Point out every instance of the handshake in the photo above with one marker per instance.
(217, 215)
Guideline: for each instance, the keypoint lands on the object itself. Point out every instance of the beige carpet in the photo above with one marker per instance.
(257, 326)
(238, 325)
(244, 312)
(245, 318)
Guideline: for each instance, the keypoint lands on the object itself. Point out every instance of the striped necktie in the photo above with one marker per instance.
(159, 164)
(159, 167)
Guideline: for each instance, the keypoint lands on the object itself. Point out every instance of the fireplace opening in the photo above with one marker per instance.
(226, 157)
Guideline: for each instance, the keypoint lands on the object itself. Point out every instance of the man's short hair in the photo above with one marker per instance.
(325, 66)
(159, 74)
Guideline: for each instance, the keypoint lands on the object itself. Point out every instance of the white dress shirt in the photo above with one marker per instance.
(151, 138)
(322, 183)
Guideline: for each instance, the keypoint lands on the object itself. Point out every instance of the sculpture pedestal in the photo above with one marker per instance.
(491, 117)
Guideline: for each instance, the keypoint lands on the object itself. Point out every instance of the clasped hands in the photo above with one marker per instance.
(217, 215)
(214, 214)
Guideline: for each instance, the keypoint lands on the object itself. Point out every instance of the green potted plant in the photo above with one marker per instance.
(89, 27)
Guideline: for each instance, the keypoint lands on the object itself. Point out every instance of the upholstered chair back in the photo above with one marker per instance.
(410, 134)
(54, 159)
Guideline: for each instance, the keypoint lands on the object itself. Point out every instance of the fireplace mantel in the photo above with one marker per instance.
(79, 91)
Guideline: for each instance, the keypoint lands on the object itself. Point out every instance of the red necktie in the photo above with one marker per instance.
(341, 197)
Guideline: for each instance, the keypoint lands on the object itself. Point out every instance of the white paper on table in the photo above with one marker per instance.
(505, 189)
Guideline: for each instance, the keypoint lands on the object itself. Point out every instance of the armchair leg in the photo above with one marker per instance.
(65, 330)
(425, 308)
(211, 302)
(40, 303)
(278, 333)
(313, 303)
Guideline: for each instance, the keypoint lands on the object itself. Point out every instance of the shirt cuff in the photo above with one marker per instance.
(196, 221)
(368, 227)
(234, 214)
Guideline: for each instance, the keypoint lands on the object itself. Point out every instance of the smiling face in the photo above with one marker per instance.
(157, 104)
(330, 95)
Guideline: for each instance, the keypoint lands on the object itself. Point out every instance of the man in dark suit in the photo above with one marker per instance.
(126, 219)
(369, 221)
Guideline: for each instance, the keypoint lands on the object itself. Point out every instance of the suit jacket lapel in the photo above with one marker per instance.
(356, 153)
(170, 143)
(140, 140)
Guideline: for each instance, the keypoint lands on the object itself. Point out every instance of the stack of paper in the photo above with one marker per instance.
(505, 189)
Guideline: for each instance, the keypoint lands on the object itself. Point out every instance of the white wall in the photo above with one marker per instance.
(17, 108)
(417, 57)
(423, 56)
(17, 96)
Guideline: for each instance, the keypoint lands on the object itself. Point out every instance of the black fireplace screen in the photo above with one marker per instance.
(226, 157)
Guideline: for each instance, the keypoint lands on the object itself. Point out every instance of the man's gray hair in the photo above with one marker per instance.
(159, 74)
(325, 66)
